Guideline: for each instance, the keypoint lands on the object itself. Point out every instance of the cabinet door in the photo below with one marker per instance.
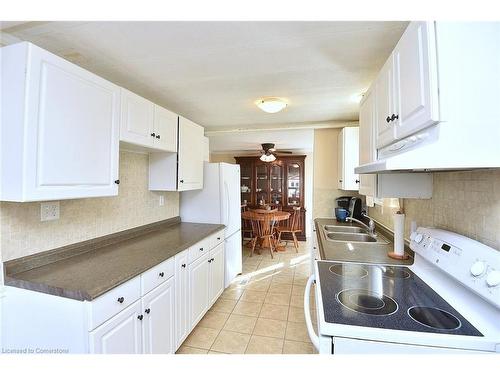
(367, 152)
(165, 129)
(190, 156)
(350, 159)
(216, 282)
(416, 89)
(198, 289)
(136, 119)
(340, 159)
(385, 104)
(119, 335)
(158, 310)
(72, 129)
(181, 298)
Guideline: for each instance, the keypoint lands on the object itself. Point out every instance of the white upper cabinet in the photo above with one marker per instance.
(384, 102)
(137, 115)
(60, 128)
(184, 170)
(407, 86)
(165, 129)
(348, 157)
(415, 80)
(191, 154)
(147, 125)
(367, 151)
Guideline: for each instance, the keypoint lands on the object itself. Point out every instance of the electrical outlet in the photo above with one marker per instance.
(162, 200)
(49, 211)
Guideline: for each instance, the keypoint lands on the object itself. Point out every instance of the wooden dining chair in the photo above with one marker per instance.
(263, 229)
(293, 227)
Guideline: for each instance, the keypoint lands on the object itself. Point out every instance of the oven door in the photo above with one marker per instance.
(342, 345)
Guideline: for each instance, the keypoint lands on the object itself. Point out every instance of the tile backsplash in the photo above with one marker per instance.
(22, 233)
(464, 202)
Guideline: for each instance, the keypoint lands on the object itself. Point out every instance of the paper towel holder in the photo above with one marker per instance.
(394, 255)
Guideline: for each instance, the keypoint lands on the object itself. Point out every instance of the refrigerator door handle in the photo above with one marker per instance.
(228, 201)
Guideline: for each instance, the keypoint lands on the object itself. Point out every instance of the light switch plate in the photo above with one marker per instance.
(49, 211)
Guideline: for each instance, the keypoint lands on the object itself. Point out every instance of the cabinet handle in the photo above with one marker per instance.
(153, 134)
(147, 311)
(210, 261)
(218, 238)
(181, 181)
(388, 119)
(394, 117)
(201, 249)
(213, 259)
(121, 299)
(357, 181)
(117, 182)
(184, 265)
(158, 136)
(161, 274)
(140, 317)
(340, 180)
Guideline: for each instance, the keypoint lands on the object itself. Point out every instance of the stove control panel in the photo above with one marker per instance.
(472, 263)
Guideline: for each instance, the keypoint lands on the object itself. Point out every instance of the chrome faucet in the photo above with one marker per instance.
(370, 226)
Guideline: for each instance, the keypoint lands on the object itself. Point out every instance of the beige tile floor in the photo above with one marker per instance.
(261, 312)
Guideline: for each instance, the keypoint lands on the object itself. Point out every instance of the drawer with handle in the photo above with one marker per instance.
(157, 275)
(205, 245)
(112, 302)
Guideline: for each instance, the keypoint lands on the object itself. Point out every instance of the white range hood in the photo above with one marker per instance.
(442, 147)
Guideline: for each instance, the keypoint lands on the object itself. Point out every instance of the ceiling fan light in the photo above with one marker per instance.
(271, 105)
(268, 158)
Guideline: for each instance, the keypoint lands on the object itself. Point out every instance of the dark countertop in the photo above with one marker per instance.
(361, 252)
(84, 271)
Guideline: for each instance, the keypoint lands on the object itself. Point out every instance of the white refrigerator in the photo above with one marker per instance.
(218, 203)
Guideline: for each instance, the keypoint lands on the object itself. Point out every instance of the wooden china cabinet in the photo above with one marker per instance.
(279, 183)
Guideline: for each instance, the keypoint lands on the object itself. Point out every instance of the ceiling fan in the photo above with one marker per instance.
(268, 152)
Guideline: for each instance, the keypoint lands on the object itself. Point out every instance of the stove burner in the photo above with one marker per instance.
(434, 318)
(366, 302)
(349, 270)
(396, 273)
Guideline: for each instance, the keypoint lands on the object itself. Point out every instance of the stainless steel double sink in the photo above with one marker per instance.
(341, 233)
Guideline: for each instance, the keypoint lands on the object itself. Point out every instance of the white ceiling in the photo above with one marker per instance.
(212, 72)
(246, 142)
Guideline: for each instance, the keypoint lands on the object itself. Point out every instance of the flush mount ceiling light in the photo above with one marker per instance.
(271, 105)
(268, 158)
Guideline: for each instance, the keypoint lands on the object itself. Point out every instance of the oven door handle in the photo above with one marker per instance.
(307, 312)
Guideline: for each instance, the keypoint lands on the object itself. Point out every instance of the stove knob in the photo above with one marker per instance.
(493, 279)
(419, 237)
(477, 268)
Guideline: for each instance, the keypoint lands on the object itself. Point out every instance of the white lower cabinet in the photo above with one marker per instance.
(181, 298)
(198, 289)
(216, 274)
(122, 334)
(158, 322)
(152, 313)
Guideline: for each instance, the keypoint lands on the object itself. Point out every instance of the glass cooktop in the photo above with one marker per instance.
(386, 297)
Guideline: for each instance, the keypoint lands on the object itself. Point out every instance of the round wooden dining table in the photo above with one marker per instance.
(272, 217)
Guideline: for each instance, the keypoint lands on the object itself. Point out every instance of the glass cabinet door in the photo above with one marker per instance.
(246, 183)
(276, 176)
(262, 184)
(294, 184)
